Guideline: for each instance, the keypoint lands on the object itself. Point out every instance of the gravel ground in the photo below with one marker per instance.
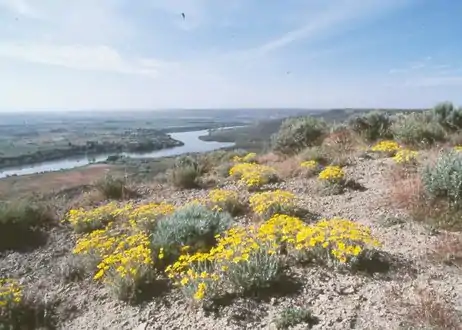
(339, 300)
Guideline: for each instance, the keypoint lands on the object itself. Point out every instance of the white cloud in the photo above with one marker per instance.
(95, 58)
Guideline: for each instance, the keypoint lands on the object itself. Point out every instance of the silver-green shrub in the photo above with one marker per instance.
(193, 225)
(371, 126)
(444, 178)
(296, 134)
(448, 116)
(417, 128)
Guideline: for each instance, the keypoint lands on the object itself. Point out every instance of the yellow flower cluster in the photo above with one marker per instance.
(97, 243)
(123, 252)
(309, 164)
(250, 248)
(405, 156)
(253, 175)
(281, 228)
(458, 148)
(140, 217)
(224, 200)
(87, 220)
(389, 147)
(342, 238)
(201, 273)
(129, 259)
(10, 292)
(118, 255)
(332, 174)
(268, 203)
(144, 217)
(249, 158)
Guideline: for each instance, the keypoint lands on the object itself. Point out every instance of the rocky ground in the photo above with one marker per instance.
(339, 300)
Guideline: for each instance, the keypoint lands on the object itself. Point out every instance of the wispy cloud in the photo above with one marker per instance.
(335, 18)
(418, 65)
(79, 57)
(436, 81)
(21, 8)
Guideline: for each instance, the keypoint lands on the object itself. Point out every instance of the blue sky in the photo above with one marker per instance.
(107, 54)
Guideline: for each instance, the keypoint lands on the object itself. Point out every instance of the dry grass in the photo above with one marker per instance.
(406, 189)
(448, 250)
(288, 168)
(268, 159)
(342, 147)
(430, 311)
(407, 193)
(87, 199)
(425, 309)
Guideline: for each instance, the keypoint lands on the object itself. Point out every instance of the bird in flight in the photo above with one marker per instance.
(183, 15)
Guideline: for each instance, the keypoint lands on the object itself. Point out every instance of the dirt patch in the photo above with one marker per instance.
(53, 181)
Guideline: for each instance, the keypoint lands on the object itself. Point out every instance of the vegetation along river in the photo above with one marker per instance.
(191, 141)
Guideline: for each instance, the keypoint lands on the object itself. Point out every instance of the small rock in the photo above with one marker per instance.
(142, 326)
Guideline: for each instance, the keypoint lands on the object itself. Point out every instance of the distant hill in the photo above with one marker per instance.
(257, 135)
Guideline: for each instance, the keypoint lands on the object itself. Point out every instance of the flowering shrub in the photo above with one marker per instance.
(332, 175)
(85, 221)
(128, 267)
(268, 203)
(309, 164)
(405, 156)
(250, 258)
(122, 261)
(241, 261)
(338, 239)
(310, 167)
(251, 157)
(387, 147)
(144, 217)
(253, 175)
(225, 200)
(10, 293)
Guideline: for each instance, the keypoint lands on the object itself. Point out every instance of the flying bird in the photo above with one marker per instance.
(183, 15)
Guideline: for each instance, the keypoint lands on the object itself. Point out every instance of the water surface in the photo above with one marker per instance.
(191, 141)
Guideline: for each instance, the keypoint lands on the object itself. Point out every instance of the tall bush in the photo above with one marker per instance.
(417, 128)
(448, 116)
(371, 126)
(296, 134)
(186, 173)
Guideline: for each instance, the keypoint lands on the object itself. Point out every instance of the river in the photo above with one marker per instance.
(191, 141)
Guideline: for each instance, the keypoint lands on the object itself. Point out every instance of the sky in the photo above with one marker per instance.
(122, 54)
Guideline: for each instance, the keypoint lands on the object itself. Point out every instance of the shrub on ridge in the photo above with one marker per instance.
(186, 173)
(448, 116)
(21, 222)
(418, 128)
(296, 134)
(371, 126)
